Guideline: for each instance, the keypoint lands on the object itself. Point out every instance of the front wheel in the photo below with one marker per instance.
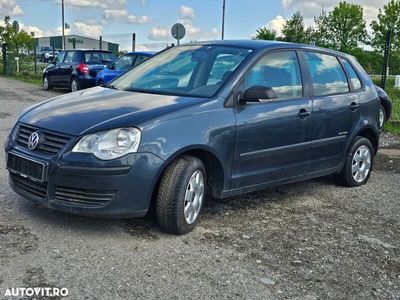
(74, 85)
(181, 195)
(358, 164)
(46, 83)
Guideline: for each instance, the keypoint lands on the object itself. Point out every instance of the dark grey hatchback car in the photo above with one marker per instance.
(219, 118)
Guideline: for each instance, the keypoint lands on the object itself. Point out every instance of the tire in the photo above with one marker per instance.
(42, 59)
(382, 116)
(184, 174)
(74, 86)
(46, 83)
(360, 159)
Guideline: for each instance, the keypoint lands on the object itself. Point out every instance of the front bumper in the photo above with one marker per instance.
(81, 184)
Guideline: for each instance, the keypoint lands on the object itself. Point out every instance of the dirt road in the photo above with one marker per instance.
(310, 240)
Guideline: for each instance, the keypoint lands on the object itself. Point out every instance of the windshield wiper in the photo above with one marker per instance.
(110, 86)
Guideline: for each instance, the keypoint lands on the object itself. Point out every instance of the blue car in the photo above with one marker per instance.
(217, 118)
(121, 65)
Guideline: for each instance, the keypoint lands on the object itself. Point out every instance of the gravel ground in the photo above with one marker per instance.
(310, 240)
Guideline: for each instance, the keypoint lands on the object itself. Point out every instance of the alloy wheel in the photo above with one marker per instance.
(361, 164)
(194, 197)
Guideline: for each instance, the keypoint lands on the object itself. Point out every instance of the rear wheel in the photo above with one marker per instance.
(46, 83)
(382, 116)
(358, 165)
(74, 85)
(181, 195)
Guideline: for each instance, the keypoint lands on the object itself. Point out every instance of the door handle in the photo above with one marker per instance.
(354, 106)
(303, 114)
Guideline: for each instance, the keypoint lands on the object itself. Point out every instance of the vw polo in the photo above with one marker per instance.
(219, 118)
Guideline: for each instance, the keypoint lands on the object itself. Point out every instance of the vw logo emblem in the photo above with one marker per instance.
(33, 141)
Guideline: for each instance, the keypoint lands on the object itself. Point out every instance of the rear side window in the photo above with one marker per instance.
(327, 75)
(352, 74)
(69, 57)
(99, 57)
(279, 71)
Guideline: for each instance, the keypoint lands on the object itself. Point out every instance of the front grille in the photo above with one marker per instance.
(50, 143)
(84, 197)
(31, 187)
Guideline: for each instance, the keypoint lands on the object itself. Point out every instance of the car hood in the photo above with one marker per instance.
(100, 108)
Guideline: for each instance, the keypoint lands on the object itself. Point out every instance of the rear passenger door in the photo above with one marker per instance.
(272, 136)
(335, 110)
(55, 71)
(67, 68)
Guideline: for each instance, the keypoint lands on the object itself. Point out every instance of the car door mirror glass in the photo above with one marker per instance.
(259, 94)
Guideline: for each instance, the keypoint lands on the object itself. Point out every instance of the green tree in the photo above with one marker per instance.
(346, 27)
(16, 41)
(265, 33)
(320, 35)
(294, 30)
(389, 18)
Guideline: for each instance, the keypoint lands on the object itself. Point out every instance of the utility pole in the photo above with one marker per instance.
(63, 24)
(223, 19)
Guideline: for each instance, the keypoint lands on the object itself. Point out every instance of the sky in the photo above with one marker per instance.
(151, 20)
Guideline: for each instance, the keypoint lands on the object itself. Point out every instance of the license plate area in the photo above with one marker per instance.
(26, 167)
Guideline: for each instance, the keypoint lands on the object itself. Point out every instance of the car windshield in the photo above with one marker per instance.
(197, 71)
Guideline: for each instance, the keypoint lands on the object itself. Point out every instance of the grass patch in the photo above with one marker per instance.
(32, 79)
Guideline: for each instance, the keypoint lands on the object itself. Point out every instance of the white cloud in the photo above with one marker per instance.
(187, 12)
(107, 4)
(276, 24)
(158, 33)
(311, 8)
(122, 15)
(92, 30)
(10, 8)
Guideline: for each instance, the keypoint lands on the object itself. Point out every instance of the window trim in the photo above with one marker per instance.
(312, 91)
(352, 88)
(236, 90)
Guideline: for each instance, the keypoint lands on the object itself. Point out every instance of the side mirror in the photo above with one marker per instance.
(258, 94)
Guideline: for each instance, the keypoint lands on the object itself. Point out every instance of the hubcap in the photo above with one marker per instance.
(361, 163)
(74, 86)
(194, 197)
(381, 118)
(45, 83)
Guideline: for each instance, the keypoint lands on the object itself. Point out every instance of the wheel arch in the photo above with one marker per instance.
(212, 163)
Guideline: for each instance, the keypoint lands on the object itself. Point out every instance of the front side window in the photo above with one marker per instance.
(60, 57)
(69, 57)
(279, 71)
(327, 75)
(184, 70)
(352, 74)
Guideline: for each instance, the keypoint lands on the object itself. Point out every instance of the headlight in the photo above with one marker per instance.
(46, 55)
(110, 144)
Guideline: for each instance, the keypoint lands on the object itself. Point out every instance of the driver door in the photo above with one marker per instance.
(273, 136)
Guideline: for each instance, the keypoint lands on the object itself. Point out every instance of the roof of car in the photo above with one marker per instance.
(145, 53)
(264, 44)
(88, 50)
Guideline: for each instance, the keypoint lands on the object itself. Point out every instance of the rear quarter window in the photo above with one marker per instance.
(352, 74)
(327, 75)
